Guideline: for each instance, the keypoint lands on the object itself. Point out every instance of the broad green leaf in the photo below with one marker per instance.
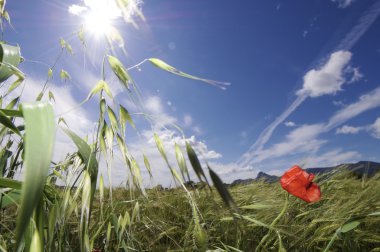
(13, 103)
(222, 190)
(88, 157)
(5, 154)
(15, 85)
(349, 226)
(10, 198)
(4, 120)
(10, 183)
(120, 71)
(195, 162)
(11, 112)
(166, 67)
(38, 147)
(36, 242)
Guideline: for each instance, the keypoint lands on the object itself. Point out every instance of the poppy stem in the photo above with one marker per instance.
(274, 222)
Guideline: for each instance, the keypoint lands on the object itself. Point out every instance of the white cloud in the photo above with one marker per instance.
(332, 158)
(187, 120)
(329, 78)
(345, 129)
(351, 38)
(197, 130)
(375, 129)
(300, 140)
(290, 124)
(146, 145)
(366, 102)
(232, 171)
(356, 74)
(343, 3)
(153, 104)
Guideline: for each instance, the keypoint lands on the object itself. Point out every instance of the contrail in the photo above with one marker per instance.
(346, 43)
(245, 159)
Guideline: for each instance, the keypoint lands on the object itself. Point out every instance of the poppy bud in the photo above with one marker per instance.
(299, 183)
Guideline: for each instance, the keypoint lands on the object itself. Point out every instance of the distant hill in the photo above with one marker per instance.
(359, 169)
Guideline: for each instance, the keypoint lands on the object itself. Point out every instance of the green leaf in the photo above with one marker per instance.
(11, 112)
(10, 183)
(222, 190)
(349, 226)
(10, 198)
(15, 85)
(38, 147)
(88, 157)
(120, 71)
(13, 103)
(36, 242)
(166, 67)
(8, 123)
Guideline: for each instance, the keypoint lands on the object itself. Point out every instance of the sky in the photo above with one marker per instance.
(305, 79)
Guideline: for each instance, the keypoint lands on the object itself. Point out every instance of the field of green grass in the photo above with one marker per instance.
(347, 218)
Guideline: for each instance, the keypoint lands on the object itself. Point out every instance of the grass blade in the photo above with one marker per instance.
(39, 142)
(166, 67)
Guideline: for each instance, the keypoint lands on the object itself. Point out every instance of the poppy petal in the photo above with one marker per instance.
(299, 183)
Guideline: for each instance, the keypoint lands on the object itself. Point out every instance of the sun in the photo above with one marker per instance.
(98, 15)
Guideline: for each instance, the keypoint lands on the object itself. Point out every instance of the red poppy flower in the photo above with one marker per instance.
(299, 183)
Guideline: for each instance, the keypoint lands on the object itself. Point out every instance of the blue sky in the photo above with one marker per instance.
(304, 79)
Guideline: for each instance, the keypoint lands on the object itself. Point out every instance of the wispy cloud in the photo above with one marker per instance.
(365, 21)
(305, 138)
(332, 158)
(366, 102)
(375, 129)
(290, 124)
(343, 3)
(346, 44)
(346, 129)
